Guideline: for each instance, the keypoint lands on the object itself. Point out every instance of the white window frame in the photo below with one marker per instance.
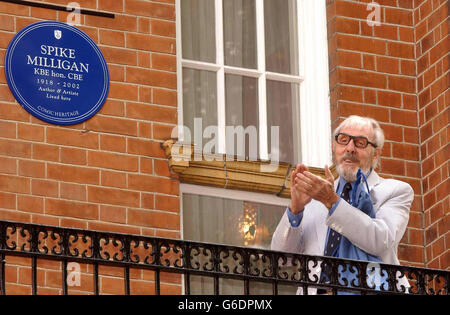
(313, 80)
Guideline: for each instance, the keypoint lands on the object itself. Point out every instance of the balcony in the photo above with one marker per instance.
(246, 266)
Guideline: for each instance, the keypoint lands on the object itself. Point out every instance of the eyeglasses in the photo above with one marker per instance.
(360, 142)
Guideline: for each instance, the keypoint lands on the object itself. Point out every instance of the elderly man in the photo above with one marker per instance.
(323, 220)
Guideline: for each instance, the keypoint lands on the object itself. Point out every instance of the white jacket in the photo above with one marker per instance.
(379, 236)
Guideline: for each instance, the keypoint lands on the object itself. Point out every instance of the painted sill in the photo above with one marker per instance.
(216, 171)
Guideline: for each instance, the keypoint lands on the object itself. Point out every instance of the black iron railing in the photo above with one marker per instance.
(213, 261)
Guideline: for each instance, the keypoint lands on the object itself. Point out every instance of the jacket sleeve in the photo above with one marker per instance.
(287, 238)
(387, 228)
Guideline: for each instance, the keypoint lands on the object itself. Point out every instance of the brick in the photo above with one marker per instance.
(387, 64)
(40, 187)
(144, 59)
(411, 253)
(151, 43)
(151, 77)
(45, 152)
(7, 201)
(151, 9)
(362, 78)
(15, 148)
(152, 183)
(123, 91)
(75, 138)
(151, 112)
(14, 216)
(386, 31)
(167, 203)
(73, 156)
(349, 59)
(30, 204)
(376, 112)
(12, 111)
(164, 62)
(165, 97)
(112, 227)
(401, 50)
(113, 214)
(144, 25)
(389, 99)
(113, 161)
(31, 168)
(112, 125)
(145, 148)
(351, 9)
(409, 101)
(8, 165)
(361, 44)
(163, 28)
(30, 132)
(147, 201)
(162, 168)
(145, 94)
(153, 219)
(392, 133)
(405, 151)
(119, 55)
(146, 165)
(71, 209)
(73, 191)
(120, 22)
(145, 130)
(402, 84)
(6, 22)
(72, 174)
(398, 16)
(14, 184)
(113, 179)
(112, 196)
(8, 129)
(402, 117)
(113, 143)
(395, 167)
(163, 132)
(108, 5)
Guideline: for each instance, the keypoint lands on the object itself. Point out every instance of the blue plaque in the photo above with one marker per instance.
(57, 73)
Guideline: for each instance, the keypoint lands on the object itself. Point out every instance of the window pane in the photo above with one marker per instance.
(198, 30)
(241, 103)
(282, 112)
(239, 19)
(230, 222)
(281, 36)
(199, 101)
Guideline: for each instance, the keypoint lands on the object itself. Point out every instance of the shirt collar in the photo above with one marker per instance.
(342, 181)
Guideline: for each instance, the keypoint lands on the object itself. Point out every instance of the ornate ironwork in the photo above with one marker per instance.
(211, 260)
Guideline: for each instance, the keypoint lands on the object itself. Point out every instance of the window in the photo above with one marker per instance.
(235, 221)
(258, 65)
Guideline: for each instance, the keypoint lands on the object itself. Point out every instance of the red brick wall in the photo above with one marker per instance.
(397, 73)
(432, 51)
(110, 172)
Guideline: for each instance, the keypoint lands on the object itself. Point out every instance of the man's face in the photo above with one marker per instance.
(348, 158)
